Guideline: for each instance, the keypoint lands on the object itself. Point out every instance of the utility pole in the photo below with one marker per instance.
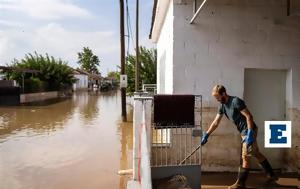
(122, 42)
(137, 64)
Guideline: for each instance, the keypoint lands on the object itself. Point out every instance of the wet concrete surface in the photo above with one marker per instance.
(75, 143)
(255, 181)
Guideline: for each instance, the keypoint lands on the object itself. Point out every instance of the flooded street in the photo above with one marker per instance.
(77, 143)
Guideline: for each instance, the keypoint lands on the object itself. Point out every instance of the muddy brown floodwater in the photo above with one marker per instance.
(78, 143)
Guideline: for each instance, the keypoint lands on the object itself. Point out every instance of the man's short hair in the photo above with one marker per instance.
(219, 89)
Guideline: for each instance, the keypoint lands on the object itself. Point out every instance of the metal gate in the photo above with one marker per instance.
(176, 132)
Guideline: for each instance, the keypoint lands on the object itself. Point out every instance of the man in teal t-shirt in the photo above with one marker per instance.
(235, 110)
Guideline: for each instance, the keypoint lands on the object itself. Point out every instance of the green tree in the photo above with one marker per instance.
(148, 64)
(115, 75)
(54, 73)
(88, 61)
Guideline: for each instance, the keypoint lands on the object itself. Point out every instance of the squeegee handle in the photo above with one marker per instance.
(187, 157)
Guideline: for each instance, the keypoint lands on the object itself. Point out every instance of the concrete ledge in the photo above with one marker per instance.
(33, 97)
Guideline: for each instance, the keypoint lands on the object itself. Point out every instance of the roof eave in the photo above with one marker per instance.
(160, 9)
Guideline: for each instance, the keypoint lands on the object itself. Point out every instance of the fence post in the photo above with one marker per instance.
(137, 120)
(142, 136)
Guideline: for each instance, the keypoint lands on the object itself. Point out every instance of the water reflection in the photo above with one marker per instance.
(88, 105)
(35, 119)
(125, 131)
(77, 143)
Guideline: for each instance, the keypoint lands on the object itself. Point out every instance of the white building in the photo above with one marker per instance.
(251, 47)
(82, 80)
(2, 76)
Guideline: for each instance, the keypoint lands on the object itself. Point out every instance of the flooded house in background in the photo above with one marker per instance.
(2, 76)
(252, 48)
(108, 83)
(82, 80)
(112, 80)
(95, 81)
(86, 80)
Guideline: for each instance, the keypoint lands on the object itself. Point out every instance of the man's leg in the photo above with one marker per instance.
(243, 170)
(262, 159)
(264, 163)
(241, 180)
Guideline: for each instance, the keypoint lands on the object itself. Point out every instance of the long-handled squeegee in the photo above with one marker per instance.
(187, 157)
(196, 133)
(249, 148)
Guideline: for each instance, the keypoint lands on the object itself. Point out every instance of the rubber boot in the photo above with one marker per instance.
(241, 181)
(268, 170)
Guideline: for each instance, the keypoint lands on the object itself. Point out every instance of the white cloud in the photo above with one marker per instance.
(10, 23)
(45, 9)
(3, 46)
(56, 41)
(31, 25)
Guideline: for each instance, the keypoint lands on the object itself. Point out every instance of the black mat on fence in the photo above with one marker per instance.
(174, 110)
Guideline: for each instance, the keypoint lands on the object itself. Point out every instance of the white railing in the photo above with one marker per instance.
(151, 88)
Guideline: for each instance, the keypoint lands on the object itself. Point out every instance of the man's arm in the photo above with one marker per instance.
(249, 138)
(211, 128)
(245, 112)
(214, 124)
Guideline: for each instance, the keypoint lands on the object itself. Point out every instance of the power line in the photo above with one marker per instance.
(129, 28)
(128, 34)
(137, 63)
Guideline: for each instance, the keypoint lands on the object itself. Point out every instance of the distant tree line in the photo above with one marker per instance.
(53, 74)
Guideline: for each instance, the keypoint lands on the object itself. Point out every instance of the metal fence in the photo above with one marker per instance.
(173, 143)
(171, 146)
(167, 129)
(176, 132)
(150, 88)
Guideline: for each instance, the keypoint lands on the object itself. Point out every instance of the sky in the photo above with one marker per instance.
(62, 28)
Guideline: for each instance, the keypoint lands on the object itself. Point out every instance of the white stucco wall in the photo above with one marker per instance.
(81, 83)
(2, 76)
(227, 38)
(165, 55)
